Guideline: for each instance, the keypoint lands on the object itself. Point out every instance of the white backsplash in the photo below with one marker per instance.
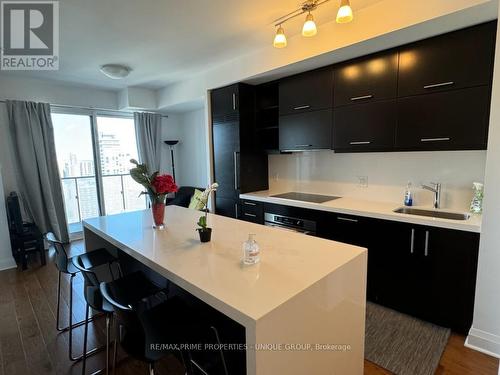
(387, 174)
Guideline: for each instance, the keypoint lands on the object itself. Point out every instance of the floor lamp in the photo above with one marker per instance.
(171, 144)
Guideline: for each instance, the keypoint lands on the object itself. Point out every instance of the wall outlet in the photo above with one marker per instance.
(363, 181)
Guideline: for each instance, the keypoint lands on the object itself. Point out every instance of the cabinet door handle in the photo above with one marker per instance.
(301, 107)
(442, 139)
(234, 101)
(303, 145)
(235, 157)
(355, 143)
(426, 248)
(250, 215)
(442, 84)
(250, 203)
(361, 97)
(347, 219)
(412, 243)
(236, 210)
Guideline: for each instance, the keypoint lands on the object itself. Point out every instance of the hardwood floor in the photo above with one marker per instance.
(456, 360)
(30, 344)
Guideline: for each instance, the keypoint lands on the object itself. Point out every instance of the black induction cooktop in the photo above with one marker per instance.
(313, 198)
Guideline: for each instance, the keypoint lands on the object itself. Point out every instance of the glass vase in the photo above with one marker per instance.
(158, 210)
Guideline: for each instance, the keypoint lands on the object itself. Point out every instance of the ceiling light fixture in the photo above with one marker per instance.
(344, 15)
(115, 71)
(309, 29)
(280, 38)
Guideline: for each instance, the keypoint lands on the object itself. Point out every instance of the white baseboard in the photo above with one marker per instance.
(7, 263)
(483, 342)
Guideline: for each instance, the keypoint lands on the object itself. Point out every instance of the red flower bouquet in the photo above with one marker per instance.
(157, 187)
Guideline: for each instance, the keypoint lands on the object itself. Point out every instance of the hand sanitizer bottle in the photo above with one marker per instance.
(408, 195)
(251, 250)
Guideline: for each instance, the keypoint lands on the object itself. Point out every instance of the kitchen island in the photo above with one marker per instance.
(302, 306)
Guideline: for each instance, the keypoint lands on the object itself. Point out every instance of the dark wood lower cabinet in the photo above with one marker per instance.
(252, 211)
(451, 265)
(227, 207)
(426, 272)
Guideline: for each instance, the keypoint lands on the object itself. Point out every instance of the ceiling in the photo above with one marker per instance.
(165, 41)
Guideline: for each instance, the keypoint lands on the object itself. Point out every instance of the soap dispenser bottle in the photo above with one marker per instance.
(251, 250)
(408, 201)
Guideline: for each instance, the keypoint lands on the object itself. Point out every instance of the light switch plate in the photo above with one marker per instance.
(363, 181)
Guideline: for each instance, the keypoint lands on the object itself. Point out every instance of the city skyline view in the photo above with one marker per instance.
(116, 145)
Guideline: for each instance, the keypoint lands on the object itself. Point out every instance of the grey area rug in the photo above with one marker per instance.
(402, 344)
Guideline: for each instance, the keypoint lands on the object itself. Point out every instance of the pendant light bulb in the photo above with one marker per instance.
(309, 29)
(344, 14)
(280, 38)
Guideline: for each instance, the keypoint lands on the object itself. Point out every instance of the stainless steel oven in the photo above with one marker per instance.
(290, 223)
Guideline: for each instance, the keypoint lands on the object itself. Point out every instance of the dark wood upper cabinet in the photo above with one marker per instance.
(306, 131)
(225, 102)
(310, 91)
(455, 60)
(366, 79)
(365, 127)
(453, 120)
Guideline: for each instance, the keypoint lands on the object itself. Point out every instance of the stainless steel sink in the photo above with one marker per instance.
(433, 213)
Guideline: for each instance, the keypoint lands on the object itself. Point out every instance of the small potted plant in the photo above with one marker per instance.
(204, 231)
(157, 187)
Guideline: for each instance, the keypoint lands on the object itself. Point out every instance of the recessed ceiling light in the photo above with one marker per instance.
(115, 71)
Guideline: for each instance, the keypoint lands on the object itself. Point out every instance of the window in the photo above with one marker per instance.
(93, 154)
(117, 145)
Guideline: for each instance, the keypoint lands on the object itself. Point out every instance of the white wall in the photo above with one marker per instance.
(388, 173)
(485, 332)
(191, 152)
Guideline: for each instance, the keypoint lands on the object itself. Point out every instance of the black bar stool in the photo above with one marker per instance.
(144, 324)
(65, 265)
(135, 286)
(152, 328)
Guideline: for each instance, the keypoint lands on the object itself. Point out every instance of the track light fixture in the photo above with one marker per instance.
(280, 38)
(309, 29)
(344, 15)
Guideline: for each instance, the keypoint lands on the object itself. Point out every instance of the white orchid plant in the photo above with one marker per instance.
(203, 199)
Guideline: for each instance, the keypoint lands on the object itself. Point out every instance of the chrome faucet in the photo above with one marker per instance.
(436, 189)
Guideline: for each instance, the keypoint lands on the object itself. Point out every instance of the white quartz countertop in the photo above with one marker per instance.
(377, 210)
(290, 262)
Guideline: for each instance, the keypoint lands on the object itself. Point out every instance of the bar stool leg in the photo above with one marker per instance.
(58, 302)
(85, 338)
(115, 345)
(108, 318)
(58, 314)
(70, 327)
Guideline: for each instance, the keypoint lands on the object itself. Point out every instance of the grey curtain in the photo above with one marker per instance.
(36, 165)
(148, 133)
